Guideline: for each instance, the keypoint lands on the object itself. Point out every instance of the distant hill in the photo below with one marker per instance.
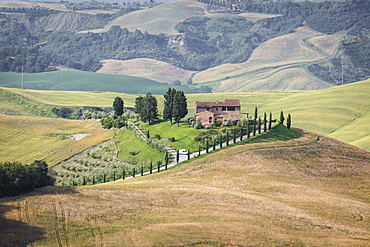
(277, 65)
(146, 68)
(163, 18)
(74, 80)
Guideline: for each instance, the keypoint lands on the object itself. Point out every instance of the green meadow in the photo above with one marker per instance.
(74, 80)
(340, 112)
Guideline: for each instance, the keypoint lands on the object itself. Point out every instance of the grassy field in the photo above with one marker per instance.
(146, 68)
(311, 191)
(74, 80)
(26, 139)
(273, 65)
(341, 112)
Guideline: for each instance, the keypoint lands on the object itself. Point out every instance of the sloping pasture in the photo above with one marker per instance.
(74, 80)
(312, 191)
(26, 139)
(146, 68)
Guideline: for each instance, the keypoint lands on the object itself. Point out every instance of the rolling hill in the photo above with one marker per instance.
(278, 65)
(74, 80)
(311, 191)
(26, 139)
(340, 112)
(146, 68)
(163, 18)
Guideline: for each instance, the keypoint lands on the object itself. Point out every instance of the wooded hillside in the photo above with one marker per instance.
(40, 39)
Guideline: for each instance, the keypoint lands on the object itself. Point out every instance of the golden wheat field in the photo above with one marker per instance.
(311, 191)
(26, 139)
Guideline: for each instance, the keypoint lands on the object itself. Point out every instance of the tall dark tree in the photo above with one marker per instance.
(118, 106)
(139, 105)
(270, 122)
(282, 117)
(147, 108)
(264, 122)
(289, 121)
(151, 106)
(248, 130)
(259, 125)
(255, 121)
(168, 104)
(180, 106)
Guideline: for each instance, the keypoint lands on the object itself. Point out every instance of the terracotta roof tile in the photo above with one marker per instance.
(226, 102)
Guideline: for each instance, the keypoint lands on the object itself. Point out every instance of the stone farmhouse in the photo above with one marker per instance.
(207, 112)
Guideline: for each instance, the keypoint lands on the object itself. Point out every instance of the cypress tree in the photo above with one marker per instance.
(234, 136)
(104, 178)
(166, 157)
(177, 156)
(148, 134)
(270, 123)
(227, 138)
(255, 121)
(214, 143)
(123, 174)
(142, 170)
(221, 140)
(207, 145)
(118, 106)
(282, 117)
(198, 148)
(259, 125)
(241, 133)
(289, 121)
(189, 154)
(114, 176)
(151, 167)
(248, 130)
(151, 106)
(168, 104)
(133, 172)
(264, 122)
(159, 166)
(180, 106)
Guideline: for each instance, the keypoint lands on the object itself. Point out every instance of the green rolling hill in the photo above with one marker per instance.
(340, 112)
(74, 80)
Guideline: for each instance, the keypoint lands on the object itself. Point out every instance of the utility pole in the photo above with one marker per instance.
(342, 73)
(22, 79)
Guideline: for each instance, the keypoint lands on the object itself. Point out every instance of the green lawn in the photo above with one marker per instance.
(183, 134)
(134, 149)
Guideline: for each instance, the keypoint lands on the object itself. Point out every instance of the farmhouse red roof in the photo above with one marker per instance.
(227, 102)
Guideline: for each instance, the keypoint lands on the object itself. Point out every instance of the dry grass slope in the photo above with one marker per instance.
(311, 191)
(270, 66)
(146, 68)
(26, 139)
